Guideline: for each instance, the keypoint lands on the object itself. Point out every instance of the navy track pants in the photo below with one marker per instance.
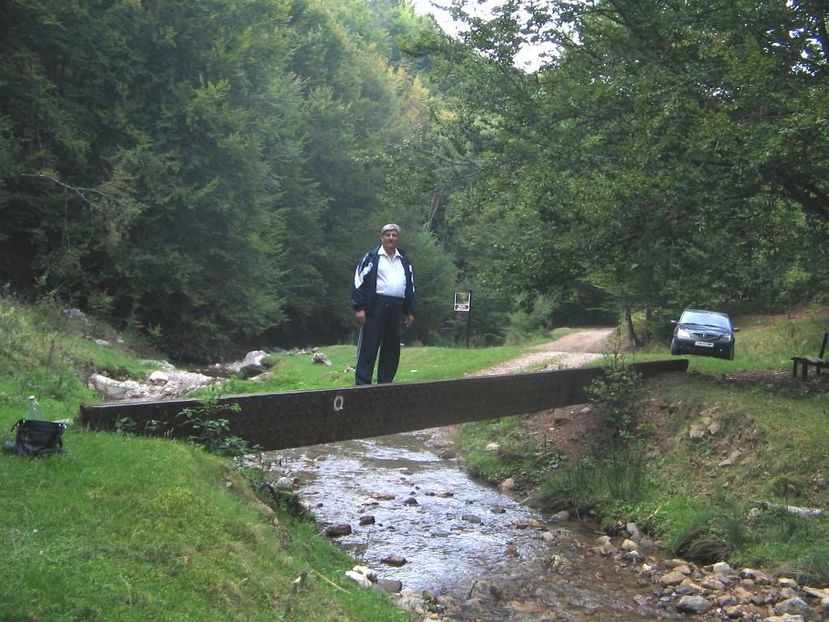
(381, 331)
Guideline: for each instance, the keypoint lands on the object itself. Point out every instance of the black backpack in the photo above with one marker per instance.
(36, 438)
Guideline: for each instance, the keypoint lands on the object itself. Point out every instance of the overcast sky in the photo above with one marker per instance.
(526, 59)
(423, 7)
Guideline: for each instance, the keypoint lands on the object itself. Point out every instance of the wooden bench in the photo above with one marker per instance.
(818, 362)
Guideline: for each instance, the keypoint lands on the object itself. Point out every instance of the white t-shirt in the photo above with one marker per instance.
(391, 276)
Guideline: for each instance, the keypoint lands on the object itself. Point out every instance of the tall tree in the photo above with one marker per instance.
(650, 151)
(154, 160)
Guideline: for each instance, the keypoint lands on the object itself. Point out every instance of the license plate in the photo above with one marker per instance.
(703, 344)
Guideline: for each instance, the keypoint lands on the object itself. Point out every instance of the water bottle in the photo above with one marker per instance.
(33, 409)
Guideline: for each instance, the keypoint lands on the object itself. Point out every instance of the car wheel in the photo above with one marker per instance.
(674, 349)
(731, 353)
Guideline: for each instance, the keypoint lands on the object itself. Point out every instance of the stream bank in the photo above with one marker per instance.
(461, 551)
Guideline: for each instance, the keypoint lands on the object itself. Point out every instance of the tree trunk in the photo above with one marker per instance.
(633, 340)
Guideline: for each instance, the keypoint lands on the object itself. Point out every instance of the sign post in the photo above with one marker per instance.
(463, 304)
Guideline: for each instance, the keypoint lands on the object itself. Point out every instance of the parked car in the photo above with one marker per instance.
(703, 332)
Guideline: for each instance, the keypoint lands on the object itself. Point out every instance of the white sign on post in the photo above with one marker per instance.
(462, 301)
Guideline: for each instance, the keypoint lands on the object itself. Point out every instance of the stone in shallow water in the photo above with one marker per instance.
(793, 607)
(337, 530)
(694, 604)
(392, 586)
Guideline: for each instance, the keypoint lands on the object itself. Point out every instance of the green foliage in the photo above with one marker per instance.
(613, 483)
(202, 424)
(648, 155)
(516, 454)
(813, 566)
(786, 487)
(202, 173)
(531, 318)
(617, 396)
(209, 174)
(212, 431)
(759, 536)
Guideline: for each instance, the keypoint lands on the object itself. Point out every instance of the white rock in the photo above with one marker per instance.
(507, 485)
(804, 512)
(158, 377)
(732, 458)
(367, 572)
(722, 568)
(358, 578)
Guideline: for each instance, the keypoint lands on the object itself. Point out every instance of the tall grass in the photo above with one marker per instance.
(617, 479)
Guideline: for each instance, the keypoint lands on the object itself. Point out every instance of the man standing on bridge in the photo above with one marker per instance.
(383, 297)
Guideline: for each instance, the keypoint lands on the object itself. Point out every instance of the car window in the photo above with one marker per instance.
(704, 319)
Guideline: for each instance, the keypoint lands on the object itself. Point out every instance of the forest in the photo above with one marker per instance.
(207, 174)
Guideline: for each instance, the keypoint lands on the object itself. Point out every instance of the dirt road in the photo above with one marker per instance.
(572, 350)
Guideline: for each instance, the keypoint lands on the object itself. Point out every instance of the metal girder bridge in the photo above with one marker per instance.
(301, 418)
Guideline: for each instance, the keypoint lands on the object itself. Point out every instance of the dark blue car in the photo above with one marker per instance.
(705, 333)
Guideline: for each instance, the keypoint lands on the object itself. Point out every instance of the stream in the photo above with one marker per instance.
(475, 553)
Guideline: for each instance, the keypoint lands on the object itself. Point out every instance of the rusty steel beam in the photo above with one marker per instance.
(301, 418)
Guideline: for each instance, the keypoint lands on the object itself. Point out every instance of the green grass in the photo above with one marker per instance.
(784, 462)
(673, 485)
(519, 455)
(127, 528)
(292, 371)
(614, 483)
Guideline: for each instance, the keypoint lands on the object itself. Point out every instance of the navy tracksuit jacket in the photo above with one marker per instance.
(384, 316)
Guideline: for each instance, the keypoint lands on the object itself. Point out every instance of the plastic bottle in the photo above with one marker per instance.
(33, 409)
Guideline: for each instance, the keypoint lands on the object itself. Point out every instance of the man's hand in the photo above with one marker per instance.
(408, 321)
(361, 316)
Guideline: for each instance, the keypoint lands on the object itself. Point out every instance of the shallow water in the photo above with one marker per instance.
(478, 551)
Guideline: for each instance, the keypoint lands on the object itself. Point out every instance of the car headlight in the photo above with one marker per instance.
(682, 333)
(726, 338)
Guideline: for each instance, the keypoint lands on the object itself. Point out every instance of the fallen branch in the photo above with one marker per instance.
(329, 581)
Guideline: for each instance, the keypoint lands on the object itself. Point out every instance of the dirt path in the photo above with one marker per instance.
(572, 350)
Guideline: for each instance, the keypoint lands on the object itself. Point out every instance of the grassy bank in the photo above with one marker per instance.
(716, 456)
(128, 528)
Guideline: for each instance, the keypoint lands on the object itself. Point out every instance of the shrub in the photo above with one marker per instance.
(617, 395)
